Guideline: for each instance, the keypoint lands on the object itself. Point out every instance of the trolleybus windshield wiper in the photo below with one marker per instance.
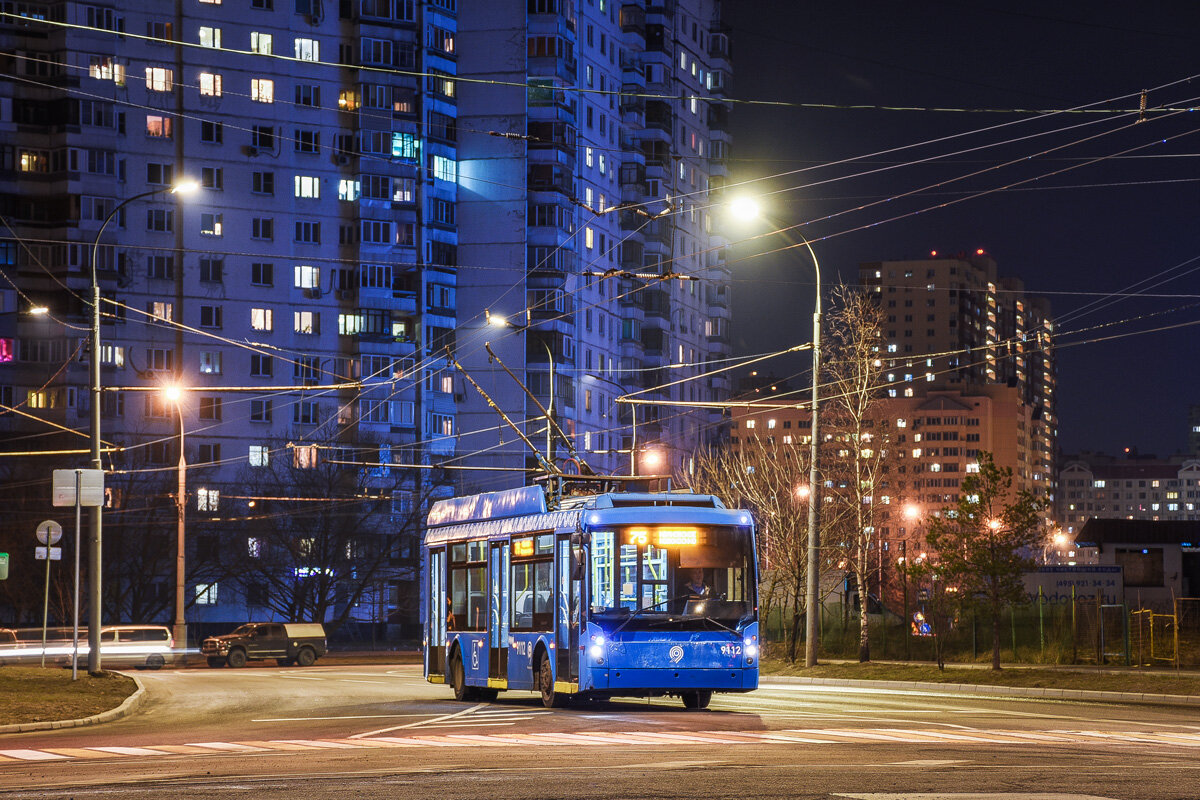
(617, 629)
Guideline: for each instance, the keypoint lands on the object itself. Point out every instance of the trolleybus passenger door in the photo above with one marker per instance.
(435, 653)
(567, 614)
(497, 611)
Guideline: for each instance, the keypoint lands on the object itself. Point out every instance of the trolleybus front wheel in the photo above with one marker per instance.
(550, 697)
(696, 700)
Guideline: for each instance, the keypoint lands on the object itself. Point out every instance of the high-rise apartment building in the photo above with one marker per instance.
(1093, 485)
(301, 297)
(586, 222)
(953, 323)
(375, 176)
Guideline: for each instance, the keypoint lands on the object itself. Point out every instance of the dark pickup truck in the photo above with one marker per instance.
(286, 642)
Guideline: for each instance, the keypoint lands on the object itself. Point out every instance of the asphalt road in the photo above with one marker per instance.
(382, 732)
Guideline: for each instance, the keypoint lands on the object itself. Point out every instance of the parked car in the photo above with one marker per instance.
(140, 646)
(287, 642)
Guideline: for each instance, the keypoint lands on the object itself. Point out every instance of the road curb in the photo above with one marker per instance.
(126, 708)
(1078, 695)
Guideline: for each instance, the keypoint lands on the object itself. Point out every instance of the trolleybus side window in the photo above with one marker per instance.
(532, 583)
(468, 598)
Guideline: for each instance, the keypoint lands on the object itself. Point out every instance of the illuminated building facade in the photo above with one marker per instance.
(578, 199)
(302, 296)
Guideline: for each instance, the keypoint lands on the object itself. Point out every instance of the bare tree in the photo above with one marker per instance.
(332, 536)
(983, 542)
(764, 476)
(860, 450)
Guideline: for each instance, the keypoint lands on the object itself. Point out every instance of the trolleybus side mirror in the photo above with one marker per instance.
(577, 556)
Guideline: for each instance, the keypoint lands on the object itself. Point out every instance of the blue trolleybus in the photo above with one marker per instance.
(601, 594)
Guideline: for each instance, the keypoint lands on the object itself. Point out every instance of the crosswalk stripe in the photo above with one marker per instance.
(696, 737)
(126, 751)
(319, 743)
(78, 752)
(368, 742)
(854, 734)
(232, 746)
(179, 749)
(31, 755)
(279, 745)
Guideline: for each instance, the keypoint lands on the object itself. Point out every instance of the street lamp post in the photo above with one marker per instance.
(747, 208)
(504, 322)
(633, 425)
(94, 518)
(179, 628)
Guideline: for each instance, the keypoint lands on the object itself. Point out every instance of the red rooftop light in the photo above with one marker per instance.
(933, 253)
(979, 252)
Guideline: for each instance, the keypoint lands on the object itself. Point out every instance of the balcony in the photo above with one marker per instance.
(552, 135)
(660, 116)
(633, 19)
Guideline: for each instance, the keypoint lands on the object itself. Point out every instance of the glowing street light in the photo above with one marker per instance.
(183, 187)
(175, 394)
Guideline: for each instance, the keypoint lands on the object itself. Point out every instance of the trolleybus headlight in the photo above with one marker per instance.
(596, 651)
(750, 645)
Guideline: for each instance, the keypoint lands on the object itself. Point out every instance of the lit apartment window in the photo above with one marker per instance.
(305, 322)
(210, 37)
(207, 499)
(206, 593)
(159, 79)
(262, 90)
(348, 189)
(158, 126)
(260, 43)
(308, 186)
(260, 455)
(210, 362)
(308, 50)
(261, 319)
(445, 169)
(307, 277)
(161, 311)
(210, 224)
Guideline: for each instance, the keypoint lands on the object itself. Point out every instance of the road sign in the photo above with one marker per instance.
(49, 532)
(3, 566)
(39, 553)
(91, 487)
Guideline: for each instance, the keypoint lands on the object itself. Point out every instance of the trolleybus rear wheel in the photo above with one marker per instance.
(458, 679)
(696, 700)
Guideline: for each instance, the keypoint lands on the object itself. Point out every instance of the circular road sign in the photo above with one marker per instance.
(49, 532)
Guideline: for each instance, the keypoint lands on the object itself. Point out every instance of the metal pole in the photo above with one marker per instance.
(549, 405)
(46, 599)
(179, 631)
(814, 495)
(94, 518)
(75, 613)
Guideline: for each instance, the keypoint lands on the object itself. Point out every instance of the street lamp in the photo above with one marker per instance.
(94, 519)
(503, 322)
(174, 394)
(746, 208)
(633, 426)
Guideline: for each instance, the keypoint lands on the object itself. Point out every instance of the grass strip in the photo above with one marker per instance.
(1087, 678)
(33, 694)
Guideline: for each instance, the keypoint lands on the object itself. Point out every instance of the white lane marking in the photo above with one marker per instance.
(318, 743)
(322, 719)
(416, 724)
(352, 680)
(32, 755)
(467, 725)
(300, 678)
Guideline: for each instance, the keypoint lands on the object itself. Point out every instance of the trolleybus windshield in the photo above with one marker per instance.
(672, 573)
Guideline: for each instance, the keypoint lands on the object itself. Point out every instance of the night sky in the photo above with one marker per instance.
(1087, 238)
